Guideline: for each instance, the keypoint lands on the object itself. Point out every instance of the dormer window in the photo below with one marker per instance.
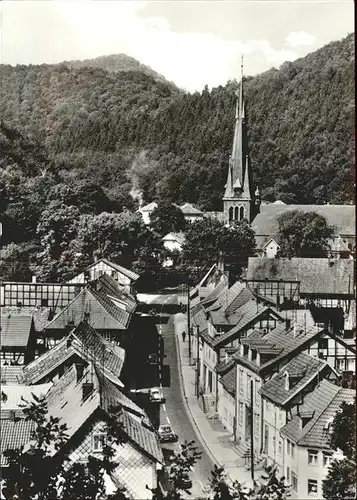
(245, 350)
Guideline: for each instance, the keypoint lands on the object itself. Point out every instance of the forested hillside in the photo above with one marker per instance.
(125, 129)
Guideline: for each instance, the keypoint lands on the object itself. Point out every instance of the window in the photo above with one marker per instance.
(249, 378)
(312, 487)
(241, 382)
(209, 381)
(236, 213)
(98, 442)
(241, 213)
(230, 213)
(294, 482)
(256, 425)
(288, 473)
(280, 447)
(241, 408)
(312, 457)
(274, 445)
(323, 343)
(292, 450)
(257, 395)
(288, 447)
(326, 459)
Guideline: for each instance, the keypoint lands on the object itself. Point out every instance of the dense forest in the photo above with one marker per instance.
(94, 134)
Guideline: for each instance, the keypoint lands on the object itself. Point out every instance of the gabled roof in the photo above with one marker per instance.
(289, 341)
(10, 374)
(83, 342)
(229, 380)
(107, 307)
(15, 330)
(302, 369)
(14, 434)
(212, 296)
(248, 313)
(188, 209)
(40, 315)
(66, 397)
(123, 270)
(150, 207)
(265, 224)
(316, 276)
(322, 404)
(271, 240)
(178, 237)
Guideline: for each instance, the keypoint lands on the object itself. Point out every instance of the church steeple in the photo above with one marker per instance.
(237, 197)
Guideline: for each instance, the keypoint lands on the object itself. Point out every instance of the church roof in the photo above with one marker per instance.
(265, 224)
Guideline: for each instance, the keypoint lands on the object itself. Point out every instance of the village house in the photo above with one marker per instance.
(81, 346)
(84, 403)
(322, 282)
(84, 400)
(18, 339)
(341, 217)
(174, 241)
(124, 277)
(307, 453)
(147, 210)
(207, 284)
(261, 356)
(281, 397)
(106, 306)
(230, 314)
(191, 213)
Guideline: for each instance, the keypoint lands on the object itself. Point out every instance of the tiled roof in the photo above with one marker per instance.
(212, 296)
(302, 369)
(66, 402)
(15, 330)
(265, 224)
(149, 207)
(103, 313)
(14, 435)
(114, 290)
(179, 237)
(229, 380)
(189, 209)
(287, 341)
(224, 366)
(249, 312)
(40, 314)
(127, 272)
(14, 394)
(199, 319)
(10, 374)
(316, 276)
(84, 342)
(322, 404)
(215, 215)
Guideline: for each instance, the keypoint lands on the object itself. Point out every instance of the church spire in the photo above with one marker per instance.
(235, 178)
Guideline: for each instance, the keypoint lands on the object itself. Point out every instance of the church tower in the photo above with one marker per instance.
(238, 199)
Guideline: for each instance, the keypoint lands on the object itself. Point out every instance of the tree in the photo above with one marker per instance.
(303, 234)
(208, 241)
(167, 218)
(268, 487)
(15, 262)
(4, 197)
(41, 471)
(341, 479)
(85, 195)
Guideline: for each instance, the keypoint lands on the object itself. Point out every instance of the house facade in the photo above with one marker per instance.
(18, 339)
(306, 439)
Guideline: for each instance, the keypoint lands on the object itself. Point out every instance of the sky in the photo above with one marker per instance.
(192, 43)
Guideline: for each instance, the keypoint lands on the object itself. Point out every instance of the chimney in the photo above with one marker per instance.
(33, 279)
(12, 415)
(288, 324)
(287, 381)
(87, 389)
(295, 330)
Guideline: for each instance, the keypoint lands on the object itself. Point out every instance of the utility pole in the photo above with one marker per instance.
(198, 367)
(251, 431)
(189, 323)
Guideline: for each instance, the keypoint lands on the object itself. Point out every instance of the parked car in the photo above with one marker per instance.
(156, 396)
(166, 434)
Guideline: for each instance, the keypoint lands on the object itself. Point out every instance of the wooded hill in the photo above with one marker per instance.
(120, 128)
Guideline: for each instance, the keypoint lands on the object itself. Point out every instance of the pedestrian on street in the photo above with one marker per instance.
(183, 336)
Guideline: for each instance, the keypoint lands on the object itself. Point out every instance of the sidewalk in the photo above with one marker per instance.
(215, 439)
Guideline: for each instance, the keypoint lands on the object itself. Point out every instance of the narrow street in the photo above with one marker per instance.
(174, 411)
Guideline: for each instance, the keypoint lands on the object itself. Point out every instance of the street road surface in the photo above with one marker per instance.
(174, 412)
